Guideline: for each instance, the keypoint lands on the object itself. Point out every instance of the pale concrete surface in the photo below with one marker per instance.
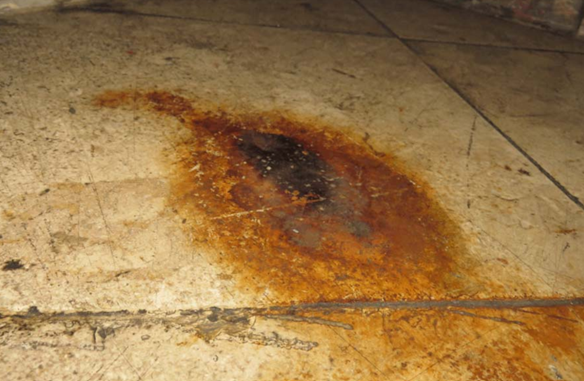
(10, 6)
(535, 97)
(556, 15)
(426, 20)
(112, 270)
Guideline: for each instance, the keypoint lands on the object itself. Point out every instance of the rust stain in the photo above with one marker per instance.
(557, 329)
(481, 344)
(549, 338)
(470, 347)
(299, 211)
(565, 231)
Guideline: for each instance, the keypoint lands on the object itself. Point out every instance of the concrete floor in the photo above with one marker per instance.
(292, 190)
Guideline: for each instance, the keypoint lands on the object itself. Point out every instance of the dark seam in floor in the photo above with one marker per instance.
(210, 21)
(549, 176)
(340, 306)
(440, 304)
(390, 33)
(475, 45)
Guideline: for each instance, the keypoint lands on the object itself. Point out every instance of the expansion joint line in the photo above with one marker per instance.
(470, 304)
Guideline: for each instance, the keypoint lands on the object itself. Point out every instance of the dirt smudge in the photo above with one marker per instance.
(12, 264)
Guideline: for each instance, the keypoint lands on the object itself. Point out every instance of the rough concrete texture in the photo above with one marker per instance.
(557, 15)
(11, 6)
(429, 21)
(288, 191)
(580, 32)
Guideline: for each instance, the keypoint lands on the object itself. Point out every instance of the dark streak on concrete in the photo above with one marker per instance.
(550, 316)
(343, 73)
(490, 46)
(128, 13)
(471, 139)
(494, 318)
(231, 313)
(289, 164)
(12, 264)
(524, 172)
(207, 324)
(438, 304)
(311, 320)
(366, 139)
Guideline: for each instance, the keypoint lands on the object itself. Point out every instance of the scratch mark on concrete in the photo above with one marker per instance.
(471, 138)
(468, 151)
(343, 73)
(548, 315)
(481, 337)
(105, 223)
(311, 320)
(263, 210)
(354, 348)
(494, 318)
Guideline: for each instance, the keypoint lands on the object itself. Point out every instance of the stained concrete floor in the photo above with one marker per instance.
(293, 190)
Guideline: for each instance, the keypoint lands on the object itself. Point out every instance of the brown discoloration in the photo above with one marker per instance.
(526, 352)
(480, 344)
(557, 329)
(565, 231)
(301, 212)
